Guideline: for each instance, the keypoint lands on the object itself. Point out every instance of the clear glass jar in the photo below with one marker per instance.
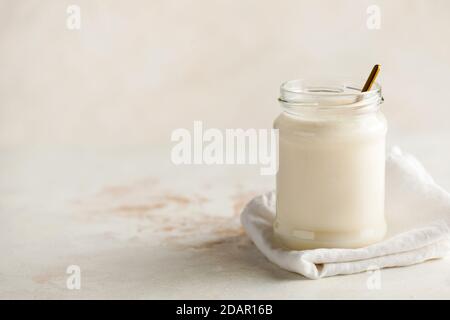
(330, 182)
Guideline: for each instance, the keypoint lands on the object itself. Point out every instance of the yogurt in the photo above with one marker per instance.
(330, 182)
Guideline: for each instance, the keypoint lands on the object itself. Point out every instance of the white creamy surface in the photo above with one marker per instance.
(139, 227)
(330, 183)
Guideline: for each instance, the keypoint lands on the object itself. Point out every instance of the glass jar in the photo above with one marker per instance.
(330, 182)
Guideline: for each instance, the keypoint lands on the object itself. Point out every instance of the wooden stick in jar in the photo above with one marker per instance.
(371, 79)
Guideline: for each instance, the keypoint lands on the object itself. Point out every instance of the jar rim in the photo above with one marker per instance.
(339, 95)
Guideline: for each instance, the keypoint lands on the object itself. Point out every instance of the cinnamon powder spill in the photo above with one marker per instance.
(178, 220)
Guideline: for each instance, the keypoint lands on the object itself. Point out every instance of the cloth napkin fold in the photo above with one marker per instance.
(418, 219)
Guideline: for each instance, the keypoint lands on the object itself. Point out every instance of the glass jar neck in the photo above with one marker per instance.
(305, 98)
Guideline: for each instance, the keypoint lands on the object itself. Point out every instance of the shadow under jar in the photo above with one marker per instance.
(330, 182)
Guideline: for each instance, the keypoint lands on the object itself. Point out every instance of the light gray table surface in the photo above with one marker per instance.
(141, 228)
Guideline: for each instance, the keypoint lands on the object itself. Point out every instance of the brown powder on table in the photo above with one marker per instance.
(157, 208)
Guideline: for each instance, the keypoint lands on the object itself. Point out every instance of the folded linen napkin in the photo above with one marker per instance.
(418, 219)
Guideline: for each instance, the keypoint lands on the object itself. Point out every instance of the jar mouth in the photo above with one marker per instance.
(336, 95)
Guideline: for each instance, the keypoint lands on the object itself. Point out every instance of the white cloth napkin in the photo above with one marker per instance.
(417, 213)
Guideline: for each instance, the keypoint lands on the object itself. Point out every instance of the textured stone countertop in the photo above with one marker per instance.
(140, 227)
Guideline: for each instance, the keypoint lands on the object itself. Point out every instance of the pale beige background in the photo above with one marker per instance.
(138, 69)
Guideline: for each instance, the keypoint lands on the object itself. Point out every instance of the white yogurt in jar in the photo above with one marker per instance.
(330, 182)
